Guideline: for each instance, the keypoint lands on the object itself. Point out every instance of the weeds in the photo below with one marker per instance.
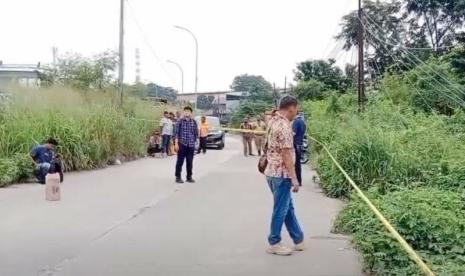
(90, 126)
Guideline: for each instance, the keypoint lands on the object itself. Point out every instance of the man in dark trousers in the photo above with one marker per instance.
(187, 134)
(299, 128)
(43, 156)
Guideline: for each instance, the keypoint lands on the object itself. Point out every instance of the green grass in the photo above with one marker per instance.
(90, 126)
(411, 164)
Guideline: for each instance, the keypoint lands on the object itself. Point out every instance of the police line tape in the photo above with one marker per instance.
(410, 251)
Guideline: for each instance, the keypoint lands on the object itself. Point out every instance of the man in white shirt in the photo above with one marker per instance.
(166, 129)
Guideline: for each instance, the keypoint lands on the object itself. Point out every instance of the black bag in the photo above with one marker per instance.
(56, 166)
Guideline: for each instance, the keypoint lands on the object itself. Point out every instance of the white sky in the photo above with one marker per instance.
(235, 36)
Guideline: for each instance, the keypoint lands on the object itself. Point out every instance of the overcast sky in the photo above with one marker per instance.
(235, 36)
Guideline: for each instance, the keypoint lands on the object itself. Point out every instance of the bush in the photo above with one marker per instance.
(431, 220)
(411, 164)
(90, 126)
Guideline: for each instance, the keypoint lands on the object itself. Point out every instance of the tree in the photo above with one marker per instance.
(255, 87)
(322, 71)
(384, 32)
(438, 20)
(205, 102)
(250, 108)
(309, 90)
(75, 70)
(155, 90)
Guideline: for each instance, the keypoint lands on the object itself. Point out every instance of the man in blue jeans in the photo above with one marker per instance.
(281, 177)
(187, 134)
(299, 128)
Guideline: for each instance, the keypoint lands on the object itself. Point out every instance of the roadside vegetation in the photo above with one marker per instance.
(82, 110)
(406, 150)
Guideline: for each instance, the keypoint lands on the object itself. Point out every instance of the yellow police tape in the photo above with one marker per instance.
(410, 251)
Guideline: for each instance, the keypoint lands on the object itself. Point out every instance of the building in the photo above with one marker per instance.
(219, 103)
(22, 74)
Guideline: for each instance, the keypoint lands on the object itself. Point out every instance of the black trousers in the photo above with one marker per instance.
(298, 166)
(202, 144)
(185, 153)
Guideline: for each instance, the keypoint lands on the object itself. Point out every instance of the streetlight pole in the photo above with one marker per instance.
(196, 59)
(182, 73)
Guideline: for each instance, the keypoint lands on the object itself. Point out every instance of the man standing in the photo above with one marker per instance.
(166, 129)
(42, 156)
(260, 138)
(187, 134)
(247, 137)
(281, 178)
(299, 128)
(203, 135)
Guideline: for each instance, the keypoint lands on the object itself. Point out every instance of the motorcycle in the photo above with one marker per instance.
(305, 156)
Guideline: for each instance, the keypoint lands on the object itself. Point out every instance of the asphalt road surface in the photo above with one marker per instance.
(134, 220)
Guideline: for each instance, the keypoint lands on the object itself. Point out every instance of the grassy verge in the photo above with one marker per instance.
(411, 166)
(90, 126)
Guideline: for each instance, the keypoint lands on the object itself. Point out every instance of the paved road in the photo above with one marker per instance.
(133, 220)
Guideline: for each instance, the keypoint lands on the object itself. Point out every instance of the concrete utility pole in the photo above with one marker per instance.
(361, 69)
(55, 56)
(121, 51)
(137, 65)
(285, 85)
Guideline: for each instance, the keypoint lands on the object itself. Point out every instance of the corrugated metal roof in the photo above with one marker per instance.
(20, 68)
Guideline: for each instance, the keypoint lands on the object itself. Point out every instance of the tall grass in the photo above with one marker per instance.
(91, 128)
(411, 164)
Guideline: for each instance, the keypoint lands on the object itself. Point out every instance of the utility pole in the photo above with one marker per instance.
(55, 55)
(285, 85)
(137, 65)
(121, 51)
(361, 69)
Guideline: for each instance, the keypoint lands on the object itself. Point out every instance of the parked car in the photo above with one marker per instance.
(216, 137)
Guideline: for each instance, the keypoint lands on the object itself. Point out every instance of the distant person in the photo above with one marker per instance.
(247, 137)
(172, 147)
(154, 146)
(281, 177)
(259, 137)
(43, 155)
(166, 129)
(187, 134)
(268, 116)
(299, 128)
(204, 129)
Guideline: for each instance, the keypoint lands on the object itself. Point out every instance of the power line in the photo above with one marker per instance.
(413, 55)
(457, 100)
(147, 42)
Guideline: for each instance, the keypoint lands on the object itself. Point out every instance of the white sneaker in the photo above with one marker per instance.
(299, 247)
(279, 249)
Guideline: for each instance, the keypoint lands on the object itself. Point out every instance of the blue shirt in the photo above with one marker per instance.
(42, 154)
(187, 132)
(299, 128)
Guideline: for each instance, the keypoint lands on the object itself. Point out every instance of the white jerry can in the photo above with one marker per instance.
(52, 187)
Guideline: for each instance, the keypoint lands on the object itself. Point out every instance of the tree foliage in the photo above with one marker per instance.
(437, 20)
(392, 27)
(75, 70)
(311, 89)
(255, 87)
(325, 72)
